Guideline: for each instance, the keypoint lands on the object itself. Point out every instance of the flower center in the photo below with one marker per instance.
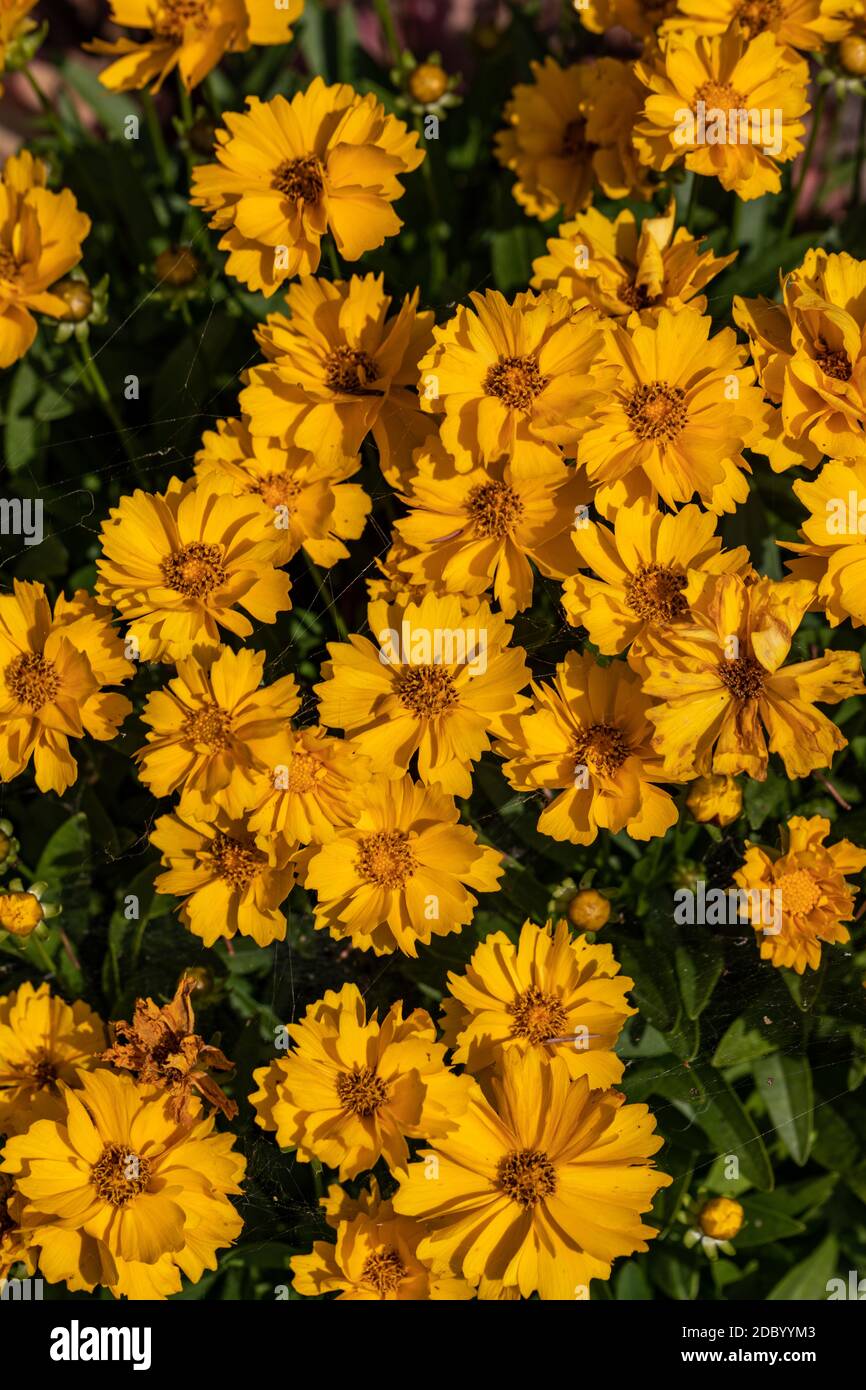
(195, 570)
(384, 1269)
(720, 96)
(757, 15)
(537, 1015)
(9, 265)
(361, 1091)
(654, 593)
(835, 364)
(351, 372)
(744, 677)
(526, 1176)
(602, 748)
(237, 863)
(657, 411)
(516, 381)
(209, 725)
(279, 490)
(32, 680)
(574, 142)
(304, 772)
(299, 179)
(119, 1175)
(495, 508)
(44, 1073)
(426, 690)
(636, 296)
(800, 892)
(172, 17)
(386, 858)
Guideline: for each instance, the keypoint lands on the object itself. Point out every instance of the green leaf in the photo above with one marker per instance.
(765, 1222)
(699, 966)
(675, 1273)
(784, 1081)
(742, 1043)
(809, 1278)
(631, 1284)
(730, 1128)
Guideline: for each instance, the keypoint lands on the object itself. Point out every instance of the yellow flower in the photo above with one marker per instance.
(43, 1043)
(833, 549)
(589, 910)
(514, 380)
(814, 900)
(15, 1244)
(714, 1225)
(620, 266)
(15, 25)
(716, 688)
(641, 564)
(212, 729)
(21, 911)
(568, 132)
(339, 368)
(177, 566)
(716, 798)
(227, 883)
(40, 241)
(751, 94)
(589, 740)
(304, 498)
(312, 789)
(353, 1089)
(641, 17)
(438, 684)
(52, 670)
(550, 993)
(402, 872)
(540, 1187)
(682, 410)
(118, 1194)
(190, 35)
(807, 25)
(290, 171)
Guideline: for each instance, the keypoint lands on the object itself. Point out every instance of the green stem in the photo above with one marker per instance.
(319, 581)
(185, 103)
(692, 207)
(157, 139)
(48, 110)
(336, 269)
(94, 376)
(817, 111)
(40, 952)
(386, 19)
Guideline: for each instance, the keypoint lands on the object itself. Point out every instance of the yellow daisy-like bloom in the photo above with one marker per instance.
(806, 25)
(833, 548)
(52, 671)
(514, 380)
(551, 993)
(402, 873)
(392, 584)
(717, 687)
(40, 241)
(227, 883)
(354, 1089)
(43, 1043)
(212, 729)
(752, 95)
(469, 532)
(814, 899)
(589, 739)
(438, 684)
(339, 368)
(118, 1194)
(540, 1187)
(641, 565)
(189, 35)
(568, 132)
(291, 171)
(178, 565)
(313, 788)
(683, 408)
(717, 798)
(15, 1247)
(305, 498)
(641, 17)
(623, 266)
(20, 912)
(15, 25)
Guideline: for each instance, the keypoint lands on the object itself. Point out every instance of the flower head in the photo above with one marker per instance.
(43, 1043)
(832, 552)
(313, 788)
(717, 799)
(805, 25)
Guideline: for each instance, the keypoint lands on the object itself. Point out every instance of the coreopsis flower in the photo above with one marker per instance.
(353, 1089)
(340, 368)
(54, 667)
(814, 899)
(469, 532)
(118, 1194)
(540, 1186)
(713, 1225)
(160, 1046)
(641, 17)
(40, 241)
(16, 28)
(402, 873)
(719, 688)
(833, 549)
(550, 992)
(43, 1043)
(729, 106)
(227, 883)
(191, 36)
(438, 685)
(313, 788)
(682, 410)
(288, 172)
(810, 356)
(639, 571)
(212, 728)
(717, 799)
(305, 498)
(515, 380)
(589, 739)
(178, 565)
(805, 25)
(22, 909)
(623, 266)
(15, 1247)
(568, 132)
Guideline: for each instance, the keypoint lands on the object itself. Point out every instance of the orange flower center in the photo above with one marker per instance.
(426, 690)
(744, 677)
(210, 725)
(386, 858)
(195, 570)
(299, 179)
(279, 490)
(172, 17)
(574, 142)
(657, 411)
(236, 862)
(757, 15)
(44, 1073)
(527, 1176)
(636, 296)
(800, 892)
(537, 1015)
(119, 1175)
(384, 1269)
(516, 381)
(32, 680)
(350, 372)
(361, 1091)
(10, 267)
(495, 509)
(836, 364)
(602, 748)
(304, 772)
(720, 96)
(654, 593)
